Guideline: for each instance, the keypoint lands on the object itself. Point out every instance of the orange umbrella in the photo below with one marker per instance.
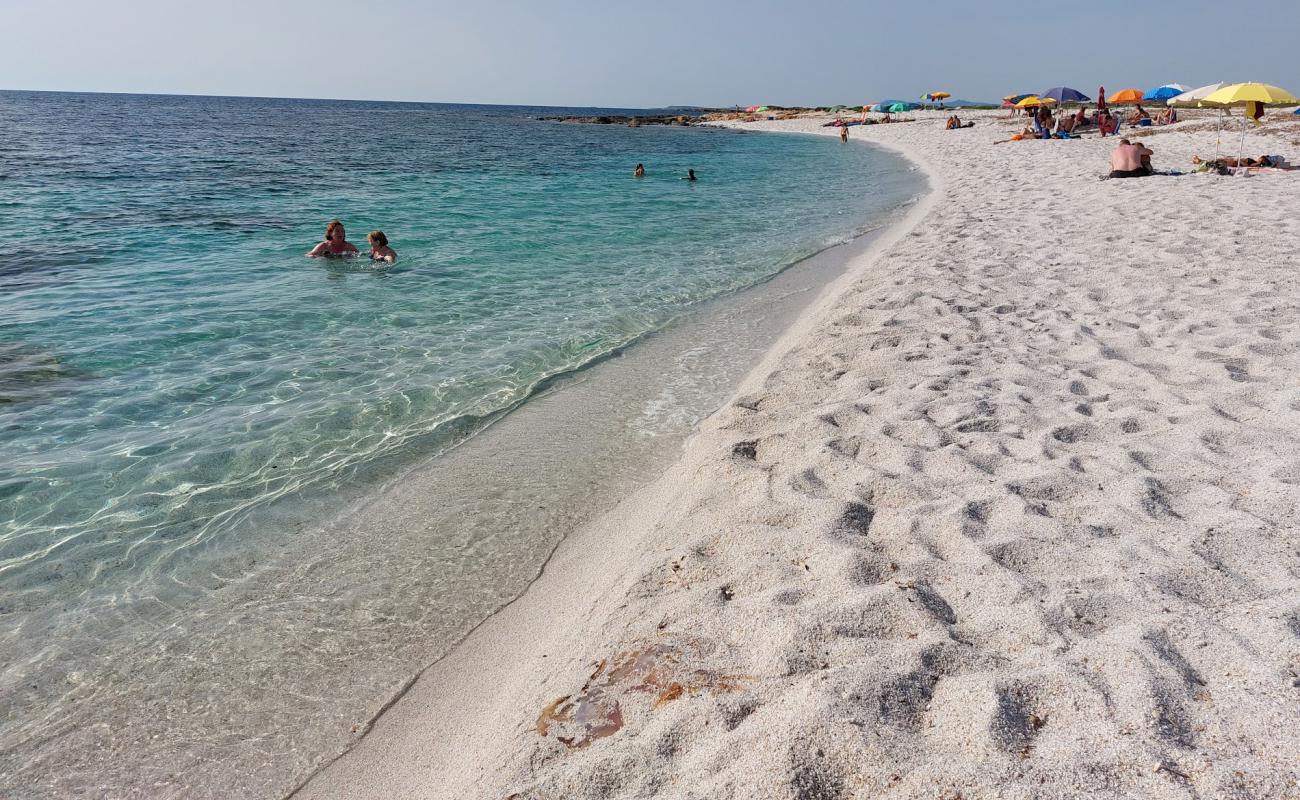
(1125, 96)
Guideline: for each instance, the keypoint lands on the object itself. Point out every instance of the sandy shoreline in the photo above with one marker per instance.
(1008, 513)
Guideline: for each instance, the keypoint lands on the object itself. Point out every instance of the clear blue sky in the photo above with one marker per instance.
(659, 52)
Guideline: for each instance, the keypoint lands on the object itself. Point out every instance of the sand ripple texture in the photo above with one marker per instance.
(1014, 518)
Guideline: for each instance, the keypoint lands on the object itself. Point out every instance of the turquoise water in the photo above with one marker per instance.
(171, 367)
(170, 361)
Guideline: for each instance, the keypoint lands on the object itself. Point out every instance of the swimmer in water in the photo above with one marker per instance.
(690, 175)
(639, 172)
(379, 249)
(336, 244)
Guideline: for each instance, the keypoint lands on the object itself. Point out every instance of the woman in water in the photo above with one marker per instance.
(379, 249)
(336, 244)
(639, 172)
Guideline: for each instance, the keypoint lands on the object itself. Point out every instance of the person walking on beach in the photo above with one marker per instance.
(336, 244)
(379, 249)
(844, 133)
(639, 172)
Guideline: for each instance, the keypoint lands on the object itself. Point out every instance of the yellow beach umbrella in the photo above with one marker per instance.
(940, 95)
(1031, 100)
(1254, 96)
(1239, 94)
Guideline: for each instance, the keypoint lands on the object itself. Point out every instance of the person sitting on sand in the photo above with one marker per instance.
(1167, 117)
(639, 172)
(1108, 124)
(1065, 125)
(379, 249)
(1130, 160)
(1139, 114)
(336, 244)
(951, 123)
(1081, 119)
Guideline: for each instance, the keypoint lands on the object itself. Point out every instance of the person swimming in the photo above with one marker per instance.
(336, 244)
(639, 172)
(690, 175)
(379, 249)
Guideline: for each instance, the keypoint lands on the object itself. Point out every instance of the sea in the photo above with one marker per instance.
(246, 496)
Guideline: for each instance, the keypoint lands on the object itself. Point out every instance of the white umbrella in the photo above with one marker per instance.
(1193, 98)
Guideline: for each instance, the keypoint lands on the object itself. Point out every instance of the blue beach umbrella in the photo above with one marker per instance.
(1064, 94)
(898, 108)
(1162, 93)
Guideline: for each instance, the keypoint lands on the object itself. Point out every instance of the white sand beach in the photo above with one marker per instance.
(1010, 512)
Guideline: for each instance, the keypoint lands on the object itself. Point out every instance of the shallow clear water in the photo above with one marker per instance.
(173, 371)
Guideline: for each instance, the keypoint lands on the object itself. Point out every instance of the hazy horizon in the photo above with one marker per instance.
(582, 54)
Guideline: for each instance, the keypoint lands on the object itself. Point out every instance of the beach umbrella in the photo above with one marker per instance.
(940, 95)
(1254, 96)
(1101, 99)
(1162, 93)
(1016, 98)
(898, 108)
(764, 108)
(1239, 94)
(1193, 97)
(1064, 94)
(751, 109)
(1031, 100)
(1125, 97)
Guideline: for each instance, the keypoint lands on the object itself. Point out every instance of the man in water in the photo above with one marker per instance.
(336, 244)
(690, 175)
(1130, 160)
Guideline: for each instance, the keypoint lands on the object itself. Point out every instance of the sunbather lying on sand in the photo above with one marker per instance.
(1027, 133)
(1276, 162)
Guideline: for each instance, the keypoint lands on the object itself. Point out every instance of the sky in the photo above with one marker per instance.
(614, 53)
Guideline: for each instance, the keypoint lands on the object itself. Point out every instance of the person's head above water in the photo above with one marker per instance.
(379, 249)
(690, 174)
(336, 242)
